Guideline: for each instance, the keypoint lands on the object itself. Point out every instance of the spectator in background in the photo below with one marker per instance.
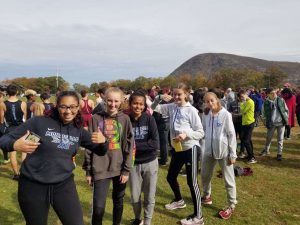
(230, 96)
(38, 109)
(163, 126)
(101, 103)
(191, 96)
(99, 94)
(298, 104)
(199, 101)
(31, 97)
(45, 97)
(14, 112)
(258, 103)
(275, 114)
(153, 92)
(86, 108)
(235, 110)
(248, 120)
(5, 153)
(290, 101)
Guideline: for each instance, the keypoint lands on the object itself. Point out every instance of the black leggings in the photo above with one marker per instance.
(246, 139)
(298, 117)
(36, 198)
(99, 200)
(287, 132)
(190, 159)
(5, 155)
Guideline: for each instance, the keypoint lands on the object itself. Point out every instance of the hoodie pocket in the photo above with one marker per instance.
(224, 148)
(116, 161)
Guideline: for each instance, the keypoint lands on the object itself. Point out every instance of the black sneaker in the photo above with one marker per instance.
(137, 222)
(279, 157)
(16, 177)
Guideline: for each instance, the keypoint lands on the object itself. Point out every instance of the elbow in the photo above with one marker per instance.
(102, 150)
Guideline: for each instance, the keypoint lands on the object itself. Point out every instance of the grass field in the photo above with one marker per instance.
(271, 196)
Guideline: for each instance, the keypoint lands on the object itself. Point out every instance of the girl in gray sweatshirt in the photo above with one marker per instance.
(220, 146)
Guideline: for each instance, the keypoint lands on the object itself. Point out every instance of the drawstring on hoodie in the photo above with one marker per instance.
(68, 131)
(50, 194)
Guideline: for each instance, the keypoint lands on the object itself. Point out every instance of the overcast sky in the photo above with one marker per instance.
(93, 41)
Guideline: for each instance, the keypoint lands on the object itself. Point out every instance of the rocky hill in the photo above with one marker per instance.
(209, 63)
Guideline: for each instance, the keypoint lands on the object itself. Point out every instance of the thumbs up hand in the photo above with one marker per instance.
(98, 137)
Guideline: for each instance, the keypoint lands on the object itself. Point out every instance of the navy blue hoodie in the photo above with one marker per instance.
(52, 161)
(146, 138)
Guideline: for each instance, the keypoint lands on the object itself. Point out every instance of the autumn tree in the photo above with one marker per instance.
(121, 83)
(104, 84)
(198, 81)
(140, 82)
(79, 87)
(274, 77)
(94, 87)
(40, 84)
(186, 79)
(169, 81)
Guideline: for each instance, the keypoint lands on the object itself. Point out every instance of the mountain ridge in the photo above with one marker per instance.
(210, 63)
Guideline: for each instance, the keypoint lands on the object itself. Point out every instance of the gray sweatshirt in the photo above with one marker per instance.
(220, 138)
(183, 119)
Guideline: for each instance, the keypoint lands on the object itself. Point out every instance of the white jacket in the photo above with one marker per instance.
(183, 119)
(220, 138)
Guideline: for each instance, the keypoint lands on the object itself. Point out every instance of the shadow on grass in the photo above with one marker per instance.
(271, 161)
(163, 194)
(9, 217)
(5, 172)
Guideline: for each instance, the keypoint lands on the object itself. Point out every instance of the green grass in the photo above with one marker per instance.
(270, 196)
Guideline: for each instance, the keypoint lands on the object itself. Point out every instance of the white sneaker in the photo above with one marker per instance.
(192, 220)
(264, 153)
(242, 155)
(176, 205)
(252, 161)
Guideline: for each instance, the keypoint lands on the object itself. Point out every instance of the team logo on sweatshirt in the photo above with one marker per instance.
(64, 141)
(140, 132)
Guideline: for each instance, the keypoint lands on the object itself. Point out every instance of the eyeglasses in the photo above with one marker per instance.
(73, 108)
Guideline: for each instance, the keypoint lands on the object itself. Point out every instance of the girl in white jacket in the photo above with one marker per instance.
(220, 146)
(185, 131)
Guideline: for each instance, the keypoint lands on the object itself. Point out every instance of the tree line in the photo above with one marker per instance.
(234, 78)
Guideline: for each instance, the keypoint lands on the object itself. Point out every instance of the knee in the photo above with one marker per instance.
(98, 212)
(171, 179)
(118, 199)
(192, 182)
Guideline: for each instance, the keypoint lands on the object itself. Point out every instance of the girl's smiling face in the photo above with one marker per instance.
(113, 102)
(180, 97)
(137, 106)
(68, 108)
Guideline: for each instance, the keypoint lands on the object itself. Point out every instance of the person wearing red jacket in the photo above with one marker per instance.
(290, 101)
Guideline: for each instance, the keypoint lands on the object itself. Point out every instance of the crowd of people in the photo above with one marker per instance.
(122, 134)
